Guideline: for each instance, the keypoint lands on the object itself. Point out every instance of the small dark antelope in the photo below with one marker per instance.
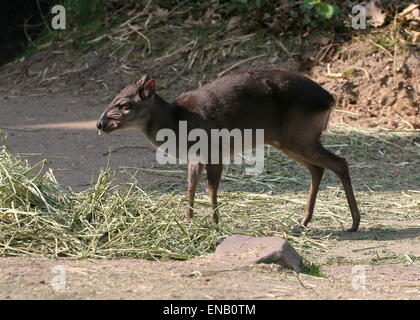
(292, 110)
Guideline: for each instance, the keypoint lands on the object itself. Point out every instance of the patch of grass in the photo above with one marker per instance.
(84, 20)
(82, 12)
(312, 269)
(349, 73)
(386, 42)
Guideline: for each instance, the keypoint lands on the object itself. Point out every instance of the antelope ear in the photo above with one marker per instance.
(143, 80)
(148, 89)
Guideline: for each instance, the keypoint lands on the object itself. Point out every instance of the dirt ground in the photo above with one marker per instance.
(56, 122)
(35, 278)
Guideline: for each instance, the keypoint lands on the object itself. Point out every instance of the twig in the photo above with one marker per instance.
(121, 148)
(368, 248)
(345, 111)
(383, 48)
(239, 63)
(142, 35)
(283, 47)
(43, 17)
(176, 51)
(26, 33)
(333, 75)
(364, 70)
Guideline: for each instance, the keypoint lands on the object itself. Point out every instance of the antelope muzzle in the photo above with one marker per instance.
(106, 124)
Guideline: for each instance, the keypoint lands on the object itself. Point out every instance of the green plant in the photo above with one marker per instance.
(245, 5)
(318, 13)
(82, 11)
(325, 10)
(84, 17)
(312, 269)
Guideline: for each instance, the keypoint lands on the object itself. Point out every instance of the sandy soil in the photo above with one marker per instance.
(30, 278)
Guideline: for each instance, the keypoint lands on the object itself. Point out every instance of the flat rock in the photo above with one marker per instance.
(246, 250)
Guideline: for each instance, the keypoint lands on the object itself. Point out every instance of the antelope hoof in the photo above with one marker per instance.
(353, 229)
(304, 223)
(355, 226)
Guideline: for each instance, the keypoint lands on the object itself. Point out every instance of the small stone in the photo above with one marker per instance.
(246, 250)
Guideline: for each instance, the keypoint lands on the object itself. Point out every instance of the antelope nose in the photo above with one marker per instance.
(100, 124)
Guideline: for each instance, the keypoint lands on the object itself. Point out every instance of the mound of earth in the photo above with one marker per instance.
(373, 87)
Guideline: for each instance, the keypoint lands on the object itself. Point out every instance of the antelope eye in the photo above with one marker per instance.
(124, 106)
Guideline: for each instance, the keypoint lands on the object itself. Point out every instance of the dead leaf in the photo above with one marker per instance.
(210, 15)
(416, 37)
(408, 10)
(160, 12)
(233, 22)
(275, 25)
(375, 13)
(191, 21)
(323, 41)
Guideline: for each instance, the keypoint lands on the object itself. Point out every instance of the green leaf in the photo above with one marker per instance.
(326, 11)
(309, 4)
(337, 10)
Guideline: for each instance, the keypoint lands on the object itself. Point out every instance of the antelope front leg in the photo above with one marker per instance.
(214, 174)
(194, 174)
